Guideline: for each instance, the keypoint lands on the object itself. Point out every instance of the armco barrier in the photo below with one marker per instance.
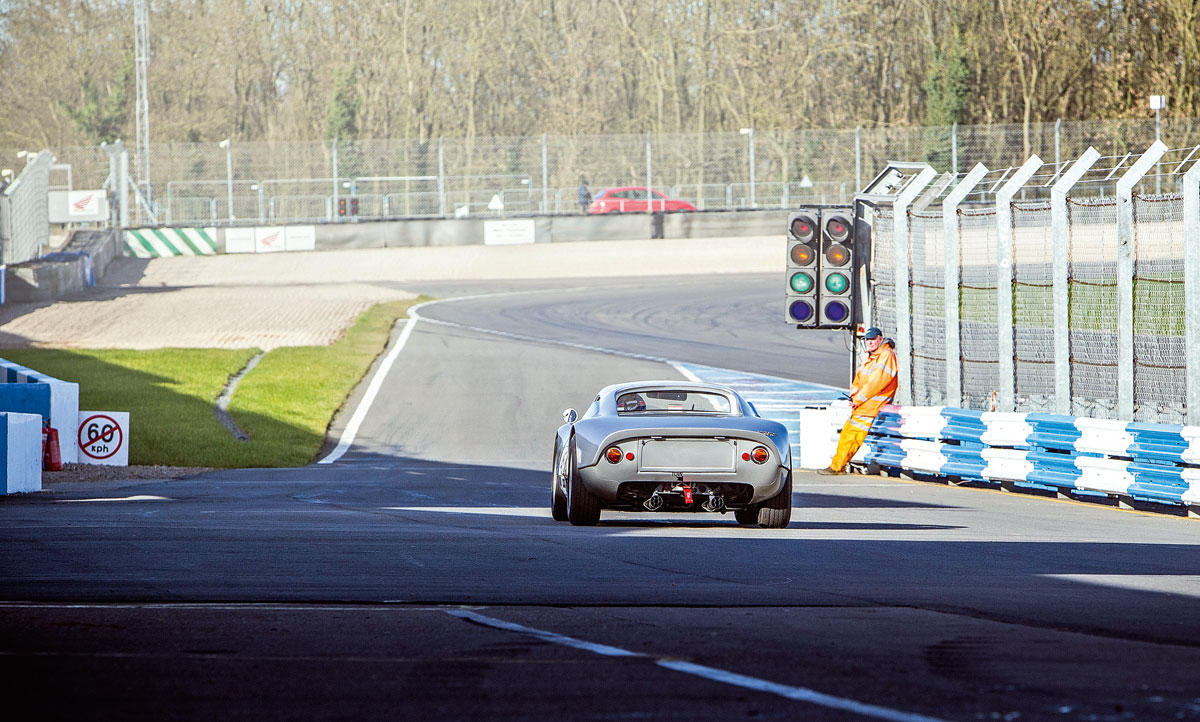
(27, 391)
(21, 447)
(1148, 462)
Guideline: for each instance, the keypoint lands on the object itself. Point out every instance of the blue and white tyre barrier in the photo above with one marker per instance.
(800, 406)
(62, 408)
(21, 440)
(1141, 461)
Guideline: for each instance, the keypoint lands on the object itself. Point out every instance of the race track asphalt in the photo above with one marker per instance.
(387, 585)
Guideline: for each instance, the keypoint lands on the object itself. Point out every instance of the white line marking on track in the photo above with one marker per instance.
(139, 497)
(368, 398)
(800, 694)
(603, 649)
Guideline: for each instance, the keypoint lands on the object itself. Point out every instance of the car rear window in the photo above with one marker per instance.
(672, 402)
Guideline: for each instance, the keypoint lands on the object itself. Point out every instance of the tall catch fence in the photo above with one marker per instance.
(1065, 287)
(24, 213)
(304, 181)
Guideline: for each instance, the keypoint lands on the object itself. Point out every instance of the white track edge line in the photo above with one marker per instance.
(364, 405)
(799, 694)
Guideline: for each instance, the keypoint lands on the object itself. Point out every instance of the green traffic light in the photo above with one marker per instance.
(836, 283)
(801, 282)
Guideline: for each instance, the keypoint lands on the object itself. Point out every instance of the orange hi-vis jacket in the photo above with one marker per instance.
(874, 384)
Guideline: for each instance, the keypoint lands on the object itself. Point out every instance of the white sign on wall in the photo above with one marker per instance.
(239, 240)
(301, 238)
(104, 438)
(77, 206)
(269, 240)
(509, 232)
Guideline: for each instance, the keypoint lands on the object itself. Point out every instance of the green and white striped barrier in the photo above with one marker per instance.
(157, 242)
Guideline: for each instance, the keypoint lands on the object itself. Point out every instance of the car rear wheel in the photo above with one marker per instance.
(558, 497)
(776, 512)
(747, 516)
(583, 507)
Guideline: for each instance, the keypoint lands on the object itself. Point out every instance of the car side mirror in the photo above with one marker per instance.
(569, 416)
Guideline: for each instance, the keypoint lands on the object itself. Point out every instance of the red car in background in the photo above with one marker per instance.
(635, 199)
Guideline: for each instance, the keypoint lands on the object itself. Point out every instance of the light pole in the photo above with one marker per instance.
(749, 133)
(228, 146)
(262, 202)
(1157, 103)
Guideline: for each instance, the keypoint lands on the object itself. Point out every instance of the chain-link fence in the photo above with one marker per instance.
(307, 181)
(25, 213)
(1096, 260)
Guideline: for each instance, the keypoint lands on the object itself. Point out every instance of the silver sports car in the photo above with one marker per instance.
(671, 446)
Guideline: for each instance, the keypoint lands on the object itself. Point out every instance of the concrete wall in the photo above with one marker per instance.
(82, 260)
(548, 229)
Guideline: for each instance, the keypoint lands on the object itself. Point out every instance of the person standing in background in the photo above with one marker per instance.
(585, 196)
(874, 386)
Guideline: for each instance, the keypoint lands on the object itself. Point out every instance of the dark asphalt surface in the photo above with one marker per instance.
(329, 592)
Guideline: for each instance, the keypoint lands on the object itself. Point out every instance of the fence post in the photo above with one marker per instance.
(1191, 288)
(1060, 238)
(1057, 142)
(649, 177)
(1125, 221)
(951, 238)
(903, 291)
(545, 178)
(954, 149)
(123, 179)
(858, 159)
(336, 184)
(1005, 353)
(441, 178)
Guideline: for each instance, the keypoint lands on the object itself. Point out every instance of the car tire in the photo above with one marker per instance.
(583, 507)
(776, 512)
(746, 516)
(558, 499)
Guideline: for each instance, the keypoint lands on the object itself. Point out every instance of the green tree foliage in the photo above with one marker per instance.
(421, 69)
(104, 112)
(947, 91)
(344, 106)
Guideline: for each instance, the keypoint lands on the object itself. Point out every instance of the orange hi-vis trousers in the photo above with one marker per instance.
(852, 437)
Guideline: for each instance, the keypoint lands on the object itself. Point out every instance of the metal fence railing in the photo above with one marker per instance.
(302, 181)
(1073, 287)
(25, 213)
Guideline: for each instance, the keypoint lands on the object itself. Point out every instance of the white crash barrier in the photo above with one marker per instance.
(21, 440)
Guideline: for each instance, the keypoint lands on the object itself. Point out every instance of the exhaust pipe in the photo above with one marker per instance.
(654, 503)
(714, 503)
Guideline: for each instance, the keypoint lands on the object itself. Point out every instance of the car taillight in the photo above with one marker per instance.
(760, 455)
(613, 454)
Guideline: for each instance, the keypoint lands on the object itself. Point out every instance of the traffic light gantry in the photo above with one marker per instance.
(820, 269)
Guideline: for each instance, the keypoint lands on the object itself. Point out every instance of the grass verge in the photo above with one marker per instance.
(285, 403)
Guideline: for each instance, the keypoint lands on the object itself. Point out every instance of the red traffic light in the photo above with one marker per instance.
(803, 228)
(836, 229)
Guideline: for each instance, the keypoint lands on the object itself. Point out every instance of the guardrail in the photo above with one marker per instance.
(1072, 456)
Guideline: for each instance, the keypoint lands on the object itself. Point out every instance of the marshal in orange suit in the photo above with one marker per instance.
(874, 386)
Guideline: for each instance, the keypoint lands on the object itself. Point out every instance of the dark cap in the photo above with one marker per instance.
(872, 332)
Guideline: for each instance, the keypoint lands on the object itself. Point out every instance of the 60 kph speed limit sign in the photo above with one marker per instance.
(104, 437)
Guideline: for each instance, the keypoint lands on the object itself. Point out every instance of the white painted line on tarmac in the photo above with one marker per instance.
(139, 497)
(551, 637)
(800, 694)
(529, 511)
(368, 398)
